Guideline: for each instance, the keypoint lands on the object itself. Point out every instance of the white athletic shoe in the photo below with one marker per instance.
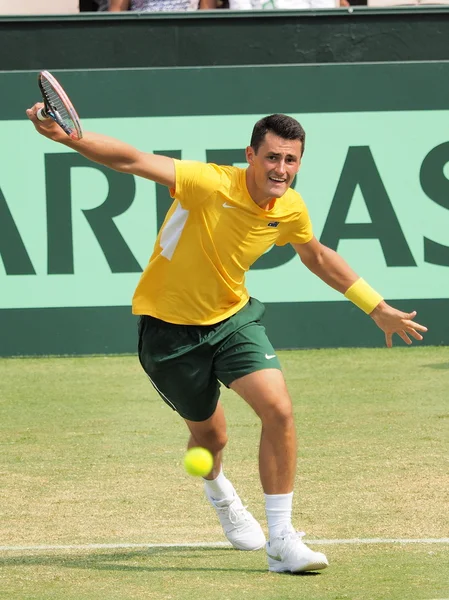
(239, 525)
(289, 553)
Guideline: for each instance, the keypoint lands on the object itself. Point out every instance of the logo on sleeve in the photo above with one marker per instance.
(273, 223)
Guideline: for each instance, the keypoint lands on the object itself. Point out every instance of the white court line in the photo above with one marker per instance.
(336, 542)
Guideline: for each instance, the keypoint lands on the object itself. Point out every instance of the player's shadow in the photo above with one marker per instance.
(441, 366)
(168, 559)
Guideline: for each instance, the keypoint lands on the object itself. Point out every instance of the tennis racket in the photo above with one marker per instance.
(57, 106)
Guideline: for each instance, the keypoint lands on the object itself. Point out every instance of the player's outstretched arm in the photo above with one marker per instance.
(109, 151)
(334, 270)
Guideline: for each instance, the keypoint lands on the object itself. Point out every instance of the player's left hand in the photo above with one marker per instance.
(391, 321)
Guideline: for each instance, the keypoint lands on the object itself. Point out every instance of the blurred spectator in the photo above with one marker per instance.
(394, 3)
(285, 4)
(94, 5)
(160, 5)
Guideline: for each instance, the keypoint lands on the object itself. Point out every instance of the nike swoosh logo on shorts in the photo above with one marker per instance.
(226, 205)
(268, 356)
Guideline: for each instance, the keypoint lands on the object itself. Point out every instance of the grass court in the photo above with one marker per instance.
(91, 456)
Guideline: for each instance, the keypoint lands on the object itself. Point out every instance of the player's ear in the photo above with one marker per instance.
(250, 154)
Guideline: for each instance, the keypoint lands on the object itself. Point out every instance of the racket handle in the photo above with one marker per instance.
(41, 114)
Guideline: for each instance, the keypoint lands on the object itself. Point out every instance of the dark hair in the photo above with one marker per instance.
(284, 126)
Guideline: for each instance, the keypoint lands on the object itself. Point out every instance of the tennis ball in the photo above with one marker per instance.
(198, 461)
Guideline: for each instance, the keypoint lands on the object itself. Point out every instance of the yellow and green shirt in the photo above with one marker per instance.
(211, 235)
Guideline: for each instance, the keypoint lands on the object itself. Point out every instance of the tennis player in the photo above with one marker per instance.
(199, 327)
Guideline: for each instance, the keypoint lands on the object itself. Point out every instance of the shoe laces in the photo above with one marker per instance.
(235, 511)
(293, 535)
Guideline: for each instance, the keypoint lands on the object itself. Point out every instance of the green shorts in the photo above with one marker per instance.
(186, 363)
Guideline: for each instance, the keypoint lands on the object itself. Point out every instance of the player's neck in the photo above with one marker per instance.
(264, 202)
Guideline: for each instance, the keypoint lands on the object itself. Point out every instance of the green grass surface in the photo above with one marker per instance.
(91, 455)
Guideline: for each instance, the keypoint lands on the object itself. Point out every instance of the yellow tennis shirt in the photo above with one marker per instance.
(211, 235)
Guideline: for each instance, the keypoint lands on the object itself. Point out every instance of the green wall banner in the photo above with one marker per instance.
(74, 234)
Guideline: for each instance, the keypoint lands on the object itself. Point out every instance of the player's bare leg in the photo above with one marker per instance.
(210, 434)
(266, 392)
(240, 527)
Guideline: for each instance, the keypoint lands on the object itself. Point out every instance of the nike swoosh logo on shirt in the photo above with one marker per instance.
(268, 356)
(226, 205)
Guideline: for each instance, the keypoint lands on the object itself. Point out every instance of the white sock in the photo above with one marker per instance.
(278, 508)
(219, 488)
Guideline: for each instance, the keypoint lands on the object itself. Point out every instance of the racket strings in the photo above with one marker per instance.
(58, 106)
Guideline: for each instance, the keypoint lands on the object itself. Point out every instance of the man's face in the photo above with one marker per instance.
(274, 166)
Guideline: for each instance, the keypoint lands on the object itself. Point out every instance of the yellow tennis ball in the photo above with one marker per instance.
(198, 461)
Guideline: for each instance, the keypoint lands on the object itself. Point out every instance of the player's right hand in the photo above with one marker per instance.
(48, 127)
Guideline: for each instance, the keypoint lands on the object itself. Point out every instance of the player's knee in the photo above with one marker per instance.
(219, 441)
(278, 415)
(214, 440)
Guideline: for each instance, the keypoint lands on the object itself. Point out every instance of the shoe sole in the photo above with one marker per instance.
(279, 567)
(236, 547)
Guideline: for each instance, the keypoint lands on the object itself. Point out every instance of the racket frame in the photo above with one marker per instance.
(48, 112)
